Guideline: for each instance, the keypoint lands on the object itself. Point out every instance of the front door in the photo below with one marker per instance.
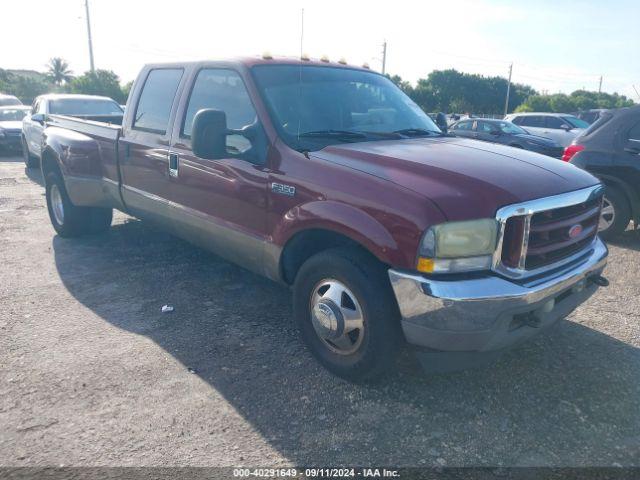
(222, 204)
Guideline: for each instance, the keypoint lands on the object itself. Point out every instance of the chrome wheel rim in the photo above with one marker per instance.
(337, 317)
(607, 215)
(56, 204)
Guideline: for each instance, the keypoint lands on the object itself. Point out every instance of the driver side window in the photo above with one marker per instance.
(222, 89)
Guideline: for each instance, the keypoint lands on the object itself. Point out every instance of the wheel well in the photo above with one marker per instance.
(624, 189)
(307, 243)
(49, 163)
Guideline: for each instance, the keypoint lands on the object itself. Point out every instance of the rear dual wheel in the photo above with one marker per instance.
(69, 220)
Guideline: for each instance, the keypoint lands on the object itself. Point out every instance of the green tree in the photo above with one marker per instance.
(453, 91)
(576, 101)
(99, 82)
(126, 89)
(58, 71)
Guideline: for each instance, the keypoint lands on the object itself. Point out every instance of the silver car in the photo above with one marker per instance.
(561, 127)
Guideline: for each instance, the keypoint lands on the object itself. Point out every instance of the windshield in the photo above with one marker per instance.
(576, 122)
(508, 127)
(82, 106)
(314, 106)
(12, 114)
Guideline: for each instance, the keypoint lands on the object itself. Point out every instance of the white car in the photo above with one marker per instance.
(88, 107)
(561, 127)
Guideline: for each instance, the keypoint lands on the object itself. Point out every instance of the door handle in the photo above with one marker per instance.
(173, 164)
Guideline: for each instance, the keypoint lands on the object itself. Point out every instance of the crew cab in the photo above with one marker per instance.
(328, 178)
(88, 107)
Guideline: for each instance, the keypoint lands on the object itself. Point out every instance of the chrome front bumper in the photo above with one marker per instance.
(490, 312)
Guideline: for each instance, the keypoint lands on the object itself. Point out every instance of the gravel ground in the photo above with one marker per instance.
(92, 373)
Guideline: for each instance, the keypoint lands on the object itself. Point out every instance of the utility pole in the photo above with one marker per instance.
(600, 86)
(384, 57)
(638, 94)
(86, 6)
(506, 103)
(301, 33)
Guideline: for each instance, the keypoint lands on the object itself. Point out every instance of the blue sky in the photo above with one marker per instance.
(554, 45)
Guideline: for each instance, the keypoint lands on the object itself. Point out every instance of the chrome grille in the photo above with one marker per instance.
(549, 234)
(541, 234)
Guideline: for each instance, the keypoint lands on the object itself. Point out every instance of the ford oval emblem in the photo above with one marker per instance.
(575, 231)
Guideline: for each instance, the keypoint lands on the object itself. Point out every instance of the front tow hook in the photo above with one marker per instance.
(599, 280)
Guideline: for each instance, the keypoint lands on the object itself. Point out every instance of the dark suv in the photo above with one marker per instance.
(610, 149)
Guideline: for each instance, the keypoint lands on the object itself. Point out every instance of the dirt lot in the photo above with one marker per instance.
(92, 373)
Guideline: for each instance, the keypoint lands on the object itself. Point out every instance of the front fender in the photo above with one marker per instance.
(344, 219)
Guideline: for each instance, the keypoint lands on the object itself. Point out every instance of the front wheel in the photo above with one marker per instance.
(347, 314)
(69, 220)
(615, 214)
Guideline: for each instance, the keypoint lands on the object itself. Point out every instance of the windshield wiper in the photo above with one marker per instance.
(416, 132)
(348, 134)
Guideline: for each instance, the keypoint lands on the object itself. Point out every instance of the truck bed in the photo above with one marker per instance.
(92, 162)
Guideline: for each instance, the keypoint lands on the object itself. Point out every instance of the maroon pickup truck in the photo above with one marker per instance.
(327, 178)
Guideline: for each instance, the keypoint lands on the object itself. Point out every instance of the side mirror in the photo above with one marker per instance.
(565, 127)
(496, 133)
(209, 134)
(38, 117)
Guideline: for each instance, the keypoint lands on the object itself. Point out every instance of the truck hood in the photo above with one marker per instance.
(464, 178)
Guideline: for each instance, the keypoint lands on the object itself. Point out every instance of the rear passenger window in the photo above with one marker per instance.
(154, 106)
(464, 126)
(634, 133)
(223, 90)
(532, 121)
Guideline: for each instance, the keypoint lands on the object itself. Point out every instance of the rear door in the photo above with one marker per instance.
(144, 146)
(483, 131)
(628, 157)
(223, 202)
(464, 128)
(534, 124)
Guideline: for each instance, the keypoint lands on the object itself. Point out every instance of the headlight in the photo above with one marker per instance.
(458, 246)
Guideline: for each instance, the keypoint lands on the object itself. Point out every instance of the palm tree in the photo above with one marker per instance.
(59, 71)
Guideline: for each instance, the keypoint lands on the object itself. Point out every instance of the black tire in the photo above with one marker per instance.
(367, 279)
(75, 221)
(29, 160)
(622, 212)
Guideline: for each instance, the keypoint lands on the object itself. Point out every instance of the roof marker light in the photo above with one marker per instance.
(267, 56)
(324, 59)
(304, 57)
(365, 65)
(342, 61)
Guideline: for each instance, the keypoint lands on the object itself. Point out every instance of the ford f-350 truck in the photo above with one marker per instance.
(329, 179)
